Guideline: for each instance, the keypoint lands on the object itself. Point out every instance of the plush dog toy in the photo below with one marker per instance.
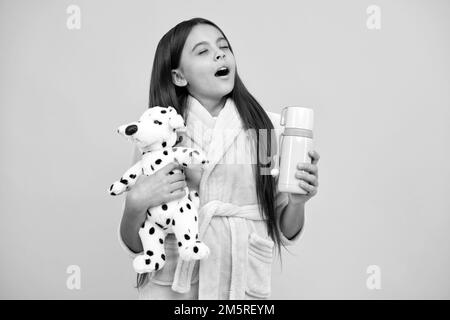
(155, 134)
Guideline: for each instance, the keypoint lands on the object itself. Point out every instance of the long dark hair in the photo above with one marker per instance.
(164, 93)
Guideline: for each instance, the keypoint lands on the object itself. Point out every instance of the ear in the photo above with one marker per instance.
(177, 122)
(178, 78)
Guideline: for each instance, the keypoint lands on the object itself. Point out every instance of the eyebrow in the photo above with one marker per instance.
(205, 42)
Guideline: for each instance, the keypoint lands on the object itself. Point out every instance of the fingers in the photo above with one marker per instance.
(176, 195)
(314, 156)
(308, 178)
(176, 177)
(177, 185)
(308, 167)
(308, 172)
(312, 190)
(169, 167)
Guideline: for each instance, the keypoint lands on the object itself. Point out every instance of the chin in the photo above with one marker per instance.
(228, 89)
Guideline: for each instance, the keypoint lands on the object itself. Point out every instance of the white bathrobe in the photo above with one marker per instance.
(239, 265)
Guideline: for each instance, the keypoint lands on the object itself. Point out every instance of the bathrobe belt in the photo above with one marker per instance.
(209, 271)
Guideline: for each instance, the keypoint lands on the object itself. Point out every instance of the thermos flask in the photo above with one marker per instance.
(296, 141)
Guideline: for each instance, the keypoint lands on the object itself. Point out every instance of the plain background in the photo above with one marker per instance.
(382, 111)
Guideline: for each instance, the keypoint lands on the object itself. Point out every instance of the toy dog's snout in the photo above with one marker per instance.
(127, 129)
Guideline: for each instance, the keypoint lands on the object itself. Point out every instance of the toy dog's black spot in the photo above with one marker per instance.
(173, 222)
(195, 249)
(151, 166)
(132, 176)
(168, 221)
(181, 210)
(196, 194)
(203, 162)
(196, 236)
(152, 230)
(184, 164)
(186, 236)
(156, 266)
(147, 261)
(124, 181)
(157, 122)
(161, 241)
(195, 218)
(159, 225)
(164, 207)
(179, 244)
(110, 188)
(171, 172)
(188, 206)
(149, 253)
(163, 256)
(113, 194)
(143, 225)
(163, 111)
(165, 152)
(158, 161)
(164, 144)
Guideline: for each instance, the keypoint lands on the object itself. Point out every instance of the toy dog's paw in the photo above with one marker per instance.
(195, 251)
(199, 157)
(117, 188)
(145, 263)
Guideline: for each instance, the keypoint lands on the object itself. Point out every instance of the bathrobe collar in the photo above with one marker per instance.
(225, 130)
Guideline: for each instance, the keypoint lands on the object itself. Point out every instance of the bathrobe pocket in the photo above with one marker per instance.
(166, 275)
(259, 267)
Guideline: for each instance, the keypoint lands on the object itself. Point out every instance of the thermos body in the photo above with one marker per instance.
(295, 143)
(294, 149)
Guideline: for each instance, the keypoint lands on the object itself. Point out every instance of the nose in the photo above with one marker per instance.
(220, 54)
(131, 129)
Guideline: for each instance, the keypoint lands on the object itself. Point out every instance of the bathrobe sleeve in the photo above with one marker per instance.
(281, 198)
(136, 156)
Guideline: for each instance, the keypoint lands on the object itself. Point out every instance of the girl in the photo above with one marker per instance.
(242, 214)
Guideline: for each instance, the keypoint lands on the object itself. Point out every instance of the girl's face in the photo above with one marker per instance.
(204, 53)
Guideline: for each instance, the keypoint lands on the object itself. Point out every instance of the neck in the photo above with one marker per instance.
(214, 106)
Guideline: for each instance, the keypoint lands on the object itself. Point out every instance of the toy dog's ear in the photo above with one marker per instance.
(177, 122)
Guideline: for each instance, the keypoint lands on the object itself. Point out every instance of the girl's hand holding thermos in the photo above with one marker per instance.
(308, 178)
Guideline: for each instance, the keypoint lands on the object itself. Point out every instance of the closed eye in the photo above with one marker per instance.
(201, 52)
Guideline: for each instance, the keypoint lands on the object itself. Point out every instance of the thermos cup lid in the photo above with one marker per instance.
(297, 117)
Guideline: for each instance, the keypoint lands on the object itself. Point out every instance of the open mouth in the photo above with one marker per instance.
(222, 72)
